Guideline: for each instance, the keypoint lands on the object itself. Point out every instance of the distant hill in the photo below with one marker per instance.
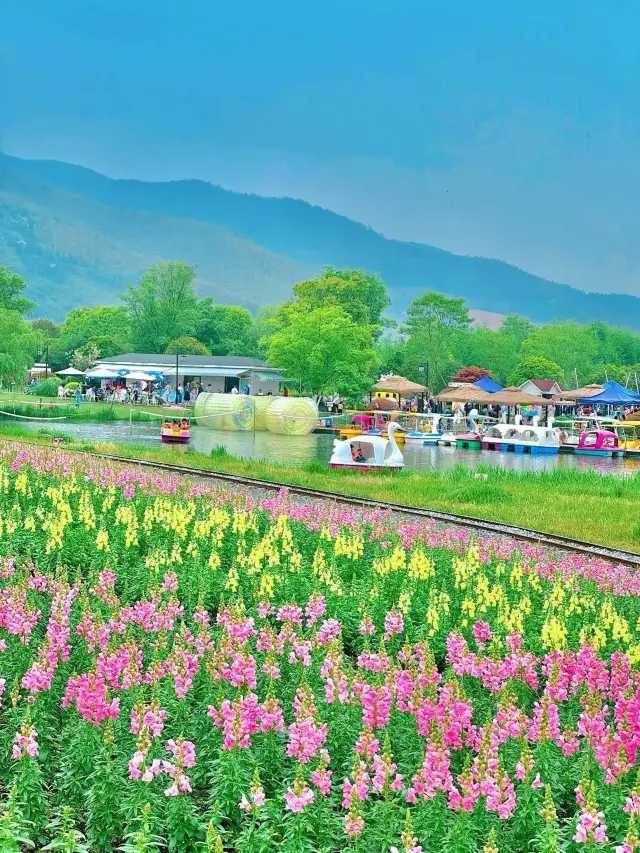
(249, 249)
(76, 251)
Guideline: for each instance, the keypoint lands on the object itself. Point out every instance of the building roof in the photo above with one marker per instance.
(545, 386)
(163, 360)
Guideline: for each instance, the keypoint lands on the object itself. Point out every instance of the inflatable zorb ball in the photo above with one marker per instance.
(230, 412)
(260, 406)
(292, 415)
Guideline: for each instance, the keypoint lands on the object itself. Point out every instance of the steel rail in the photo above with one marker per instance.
(523, 534)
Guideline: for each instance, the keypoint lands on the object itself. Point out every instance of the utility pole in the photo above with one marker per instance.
(179, 355)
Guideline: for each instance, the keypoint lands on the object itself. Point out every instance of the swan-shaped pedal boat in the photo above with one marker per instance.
(368, 452)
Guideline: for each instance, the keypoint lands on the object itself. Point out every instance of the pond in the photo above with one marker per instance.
(299, 449)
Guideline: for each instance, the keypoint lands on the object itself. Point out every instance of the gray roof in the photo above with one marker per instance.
(228, 361)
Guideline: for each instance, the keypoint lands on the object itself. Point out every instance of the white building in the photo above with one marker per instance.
(216, 373)
(541, 387)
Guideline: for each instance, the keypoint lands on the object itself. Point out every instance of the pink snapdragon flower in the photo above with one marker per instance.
(298, 797)
(25, 742)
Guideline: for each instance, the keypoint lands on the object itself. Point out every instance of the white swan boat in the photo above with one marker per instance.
(427, 430)
(534, 440)
(368, 452)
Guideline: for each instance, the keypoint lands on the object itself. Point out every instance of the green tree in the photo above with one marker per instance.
(361, 295)
(47, 328)
(391, 350)
(85, 357)
(325, 351)
(105, 329)
(186, 345)
(436, 325)
(619, 373)
(517, 327)
(18, 344)
(498, 351)
(264, 326)
(225, 329)
(568, 344)
(536, 367)
(163, 306)
(11, 287)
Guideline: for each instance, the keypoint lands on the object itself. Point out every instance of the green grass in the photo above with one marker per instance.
(582, 504)
(18, 404)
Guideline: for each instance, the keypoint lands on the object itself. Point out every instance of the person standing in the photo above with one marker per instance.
(78, 396)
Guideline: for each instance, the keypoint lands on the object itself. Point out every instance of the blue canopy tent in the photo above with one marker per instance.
(487, 384)
(613, 394)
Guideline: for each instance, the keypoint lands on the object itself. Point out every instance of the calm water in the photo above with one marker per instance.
(296, 450)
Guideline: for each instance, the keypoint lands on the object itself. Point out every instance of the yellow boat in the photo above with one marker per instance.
(364, 422)
(351, 432)
(628, 433)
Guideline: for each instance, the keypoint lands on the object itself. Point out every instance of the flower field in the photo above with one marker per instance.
(187, 669)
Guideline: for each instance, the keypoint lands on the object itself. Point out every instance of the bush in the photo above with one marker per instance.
(71, 386)
(46, 388)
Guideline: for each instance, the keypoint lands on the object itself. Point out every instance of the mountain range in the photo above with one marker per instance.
(78, 237)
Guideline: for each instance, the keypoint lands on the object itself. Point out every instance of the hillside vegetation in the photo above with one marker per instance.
(74, 250)
(99, 232)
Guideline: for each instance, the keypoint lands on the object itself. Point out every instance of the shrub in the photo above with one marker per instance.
(47, 388)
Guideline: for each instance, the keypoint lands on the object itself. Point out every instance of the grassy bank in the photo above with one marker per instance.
(30, 407)
(582, 504)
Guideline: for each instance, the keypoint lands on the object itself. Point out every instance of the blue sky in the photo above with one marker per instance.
(498, 128)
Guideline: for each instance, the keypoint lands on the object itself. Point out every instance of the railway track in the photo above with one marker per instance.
(523, 534)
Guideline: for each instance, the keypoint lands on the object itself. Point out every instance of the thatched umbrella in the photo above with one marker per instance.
(465, 394)
(577, 393)
(383, 404)
(400, 385)
(513, 396)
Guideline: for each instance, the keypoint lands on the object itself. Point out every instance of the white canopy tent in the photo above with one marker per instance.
(102, 373)
(70, 371)
(140, 376)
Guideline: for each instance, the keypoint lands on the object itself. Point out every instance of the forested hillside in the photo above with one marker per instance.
(249, 250)
(75, 251)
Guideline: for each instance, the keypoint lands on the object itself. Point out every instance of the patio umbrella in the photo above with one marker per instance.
(576, 393)
(70, 371)
(513, 396)
(383, 404)
(400, 385)
(465, 394)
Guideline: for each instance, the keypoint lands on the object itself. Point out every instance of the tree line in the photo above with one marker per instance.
(332, 335)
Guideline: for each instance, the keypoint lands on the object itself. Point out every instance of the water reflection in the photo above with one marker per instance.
(299, 449)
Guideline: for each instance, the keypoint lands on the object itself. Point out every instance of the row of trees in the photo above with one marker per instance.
(332, 335)
(439, 332)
